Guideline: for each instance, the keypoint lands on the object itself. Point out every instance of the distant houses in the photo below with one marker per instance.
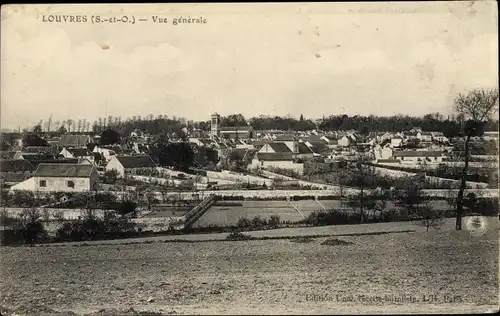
(79, 153)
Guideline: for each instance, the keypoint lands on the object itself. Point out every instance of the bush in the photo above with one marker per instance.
(274, 221)
(332, 217)
(26, 229)
(238, 236)
(126, 207)
(244, 222)
(91, 227)
(258, 222)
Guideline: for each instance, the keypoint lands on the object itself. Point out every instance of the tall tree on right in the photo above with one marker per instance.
(476, 107)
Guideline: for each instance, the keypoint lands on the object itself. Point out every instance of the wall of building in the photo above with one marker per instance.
(60, 184)
(114, 164)
(233, 176)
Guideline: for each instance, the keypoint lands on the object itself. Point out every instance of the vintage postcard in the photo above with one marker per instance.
(237, 158)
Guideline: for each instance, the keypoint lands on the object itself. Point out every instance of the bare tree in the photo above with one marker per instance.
(49, 122)
(79, 126)
(430, 218)
(69, 123)
(476, 107)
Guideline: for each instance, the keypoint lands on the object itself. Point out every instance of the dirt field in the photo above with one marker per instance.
(455, 271)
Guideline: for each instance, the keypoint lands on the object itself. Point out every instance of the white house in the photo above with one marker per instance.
(130, 164)
(61, 178)
(382, 152)
(439, 137)
(426, 136)
(344, 141)
(276, 160)
(419, 157)
(396, 141)
(108, 151)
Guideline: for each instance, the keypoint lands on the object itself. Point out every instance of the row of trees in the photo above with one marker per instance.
(450, 126)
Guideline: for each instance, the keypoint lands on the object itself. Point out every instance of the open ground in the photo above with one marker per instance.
(445, 270)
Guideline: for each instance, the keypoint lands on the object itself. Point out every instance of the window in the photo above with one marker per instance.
(71, 184)
(43, 183)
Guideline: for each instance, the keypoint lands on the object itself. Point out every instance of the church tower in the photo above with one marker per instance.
(215, 124)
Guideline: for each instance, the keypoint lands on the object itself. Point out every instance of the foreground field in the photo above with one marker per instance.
(445, 271)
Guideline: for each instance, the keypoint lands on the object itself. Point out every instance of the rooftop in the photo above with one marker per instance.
(64, 170)
(136, 161)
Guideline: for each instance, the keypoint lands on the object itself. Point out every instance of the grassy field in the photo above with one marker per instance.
(229, 215)
(457, 270)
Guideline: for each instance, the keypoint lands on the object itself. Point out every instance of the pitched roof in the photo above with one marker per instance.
(239, 129)
(16, 165)
(312, 138)
(275, 156)
(303, 149)
(280, 147)
(64, 170)
(37, 149)
(34, 157)
(79, 152)
(74, 140)
(13, 177)
(285, 138)
(136, 161)
(319, 148)
(422, 153)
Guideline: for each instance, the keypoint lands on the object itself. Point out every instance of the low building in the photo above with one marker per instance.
(125, 165)
(439, 137)
(75, 141)
(396, 142)
(276, 160)
(79, 153)
(419, 156)
(108, 151)
(275, 147)
(236, 132)
(61, 178)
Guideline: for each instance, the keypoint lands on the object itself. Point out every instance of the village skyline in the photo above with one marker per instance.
(412, 58)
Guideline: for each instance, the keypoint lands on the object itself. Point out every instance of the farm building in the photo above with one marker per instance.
(130, 164)
(61, 178)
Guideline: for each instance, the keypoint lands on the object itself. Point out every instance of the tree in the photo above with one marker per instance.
(110, 176)
(476, 106)
(430, 218)
(34, 140)
(409, 193)
(110, 137)
(37, 129)
(69, 123)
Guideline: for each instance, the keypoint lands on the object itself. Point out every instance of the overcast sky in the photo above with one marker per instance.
(279, 59)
